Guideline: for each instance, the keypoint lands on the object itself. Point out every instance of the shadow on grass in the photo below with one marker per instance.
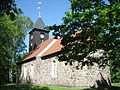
(114, 88)
(109, 88)
(23, 87)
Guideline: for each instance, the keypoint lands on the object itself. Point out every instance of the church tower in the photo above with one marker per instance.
(38, 35)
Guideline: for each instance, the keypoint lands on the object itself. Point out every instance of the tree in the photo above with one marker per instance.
(14, 27)
(8, 7)
(12, 45)
(98, 25)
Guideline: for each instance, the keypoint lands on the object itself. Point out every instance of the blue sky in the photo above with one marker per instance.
(52, 11)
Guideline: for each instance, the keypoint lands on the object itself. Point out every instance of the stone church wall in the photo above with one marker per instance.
(50, 71)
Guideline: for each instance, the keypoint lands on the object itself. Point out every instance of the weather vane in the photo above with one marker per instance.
(39, 8)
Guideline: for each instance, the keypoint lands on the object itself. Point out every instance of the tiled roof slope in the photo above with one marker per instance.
(38, 49)
(57, 46)
(53, 49)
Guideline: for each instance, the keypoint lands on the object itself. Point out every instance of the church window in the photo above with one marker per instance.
(25, 71)
(31, 70)
(54, 69)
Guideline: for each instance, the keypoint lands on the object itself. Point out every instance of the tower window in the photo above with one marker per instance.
(42, 40)
(31, 36)
(31, 44)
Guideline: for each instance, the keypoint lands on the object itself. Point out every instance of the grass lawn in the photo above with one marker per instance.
(115, 86)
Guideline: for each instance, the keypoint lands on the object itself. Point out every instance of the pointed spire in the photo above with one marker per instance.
(39, 24)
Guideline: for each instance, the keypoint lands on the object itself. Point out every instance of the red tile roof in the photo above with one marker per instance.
(38, 49)
(53, 49)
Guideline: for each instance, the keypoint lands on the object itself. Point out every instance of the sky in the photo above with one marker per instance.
(52, 11)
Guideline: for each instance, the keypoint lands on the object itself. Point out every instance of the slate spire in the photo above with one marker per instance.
(39, 24)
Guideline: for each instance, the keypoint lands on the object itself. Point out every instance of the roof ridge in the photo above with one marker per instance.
(37, 51)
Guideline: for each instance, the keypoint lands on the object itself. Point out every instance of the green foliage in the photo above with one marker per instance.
(115, 71)
(13, 29)
(98, 25)
(14, 66)
(8, 7)
(5, 46)
(12, 45)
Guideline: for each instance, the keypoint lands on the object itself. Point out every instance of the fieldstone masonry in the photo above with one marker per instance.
(50, 71)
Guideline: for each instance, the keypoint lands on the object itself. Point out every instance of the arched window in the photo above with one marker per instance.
(31, 44)
(31, 37)
(54, 69)
(25, 71)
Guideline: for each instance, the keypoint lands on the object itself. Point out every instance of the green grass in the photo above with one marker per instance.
(115, 86)
(62, 88)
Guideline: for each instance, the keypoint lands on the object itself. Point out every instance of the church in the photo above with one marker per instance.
(41, 65)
